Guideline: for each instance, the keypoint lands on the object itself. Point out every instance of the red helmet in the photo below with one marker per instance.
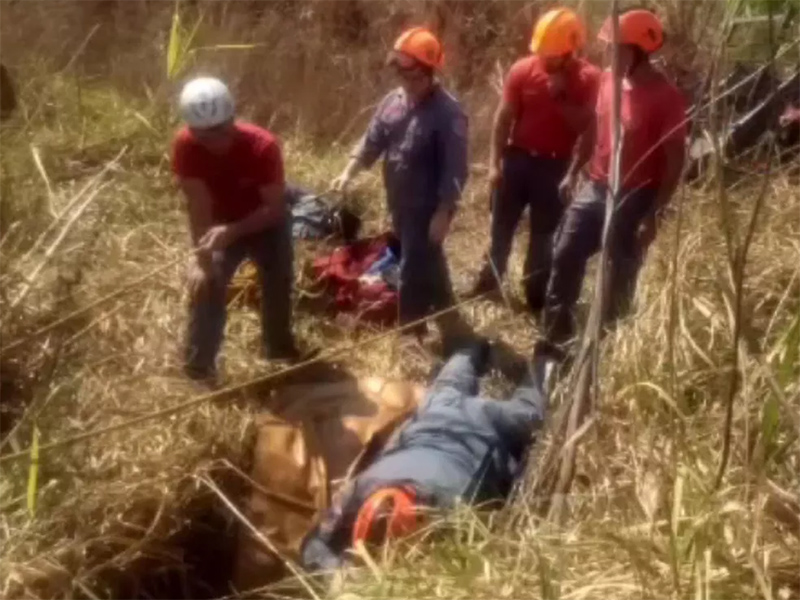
(387, 513)
(636, 27)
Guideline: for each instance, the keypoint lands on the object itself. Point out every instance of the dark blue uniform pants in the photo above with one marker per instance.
(462, 374)
(271, 250)
(425, 285)
(578, 238)
(528, 181)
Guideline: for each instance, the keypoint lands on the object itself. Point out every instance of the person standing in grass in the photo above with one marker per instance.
(547, 105)
(231, 174)
(653, 141)
(421, 131)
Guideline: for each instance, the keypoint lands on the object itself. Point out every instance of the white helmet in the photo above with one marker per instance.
(206, 102)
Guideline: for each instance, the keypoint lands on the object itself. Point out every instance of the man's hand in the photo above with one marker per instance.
(495, 179)
(199, 275)
(566, 188)
(495, 176)
(647, 231)
(217, 237)
(440, 226)
(341, 183)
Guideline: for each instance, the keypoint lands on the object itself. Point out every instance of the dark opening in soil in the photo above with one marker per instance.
(201, 567)
(196, 562)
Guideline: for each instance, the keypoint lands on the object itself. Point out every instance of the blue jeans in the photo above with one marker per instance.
(271, 251)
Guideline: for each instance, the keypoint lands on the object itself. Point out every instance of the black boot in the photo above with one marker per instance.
(479, 351)
(485, 285)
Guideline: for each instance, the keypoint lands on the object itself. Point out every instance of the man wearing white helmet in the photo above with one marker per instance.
(231, 173)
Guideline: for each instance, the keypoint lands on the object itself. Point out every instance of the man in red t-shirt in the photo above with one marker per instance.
(231, 173)
(548, 102)
(653, 142)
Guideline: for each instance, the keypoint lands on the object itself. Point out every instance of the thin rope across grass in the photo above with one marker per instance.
(233, 389)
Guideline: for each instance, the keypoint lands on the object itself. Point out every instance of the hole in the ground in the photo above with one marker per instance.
(194, 562)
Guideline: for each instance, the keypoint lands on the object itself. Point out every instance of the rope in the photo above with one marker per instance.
(233, 389)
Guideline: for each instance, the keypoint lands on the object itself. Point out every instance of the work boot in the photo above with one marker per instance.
(479, 351)
(455, 332)
(204, 375)
(418, 331)
(547, 365)
(536, 302)
(544, 350)
(290, 354)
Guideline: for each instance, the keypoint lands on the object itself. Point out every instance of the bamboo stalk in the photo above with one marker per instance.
(587, 363)
(737, 266)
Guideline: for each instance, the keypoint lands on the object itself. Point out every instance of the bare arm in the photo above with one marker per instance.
(198, 205)
(353, 168)
(365, 153)
(271, 211)
(501, 129)
(369, 148)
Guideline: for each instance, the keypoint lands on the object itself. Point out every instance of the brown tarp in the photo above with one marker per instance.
(314, 438)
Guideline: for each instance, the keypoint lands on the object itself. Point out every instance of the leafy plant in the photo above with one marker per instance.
(33, 474)
(179, 48)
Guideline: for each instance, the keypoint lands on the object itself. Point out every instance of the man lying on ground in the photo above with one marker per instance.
(459, 446)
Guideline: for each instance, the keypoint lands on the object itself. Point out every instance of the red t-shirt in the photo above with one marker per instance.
(234, 178)
(651, 114)
(539, 125)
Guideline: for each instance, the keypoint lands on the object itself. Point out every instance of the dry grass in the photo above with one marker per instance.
(124, 514)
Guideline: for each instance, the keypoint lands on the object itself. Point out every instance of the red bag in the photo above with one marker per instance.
(339, 274)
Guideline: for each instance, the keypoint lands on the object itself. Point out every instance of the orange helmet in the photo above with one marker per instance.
(637, 27)
(558, 32)
(421, 45)
(387, 513)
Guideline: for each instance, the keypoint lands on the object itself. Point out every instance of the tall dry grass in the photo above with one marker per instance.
(91, 342)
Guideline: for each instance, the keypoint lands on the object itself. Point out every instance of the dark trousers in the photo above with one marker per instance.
(528, 181)
(425, 285)
(578, 238)
(271, 250)
(462, 373)
(513, 419)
